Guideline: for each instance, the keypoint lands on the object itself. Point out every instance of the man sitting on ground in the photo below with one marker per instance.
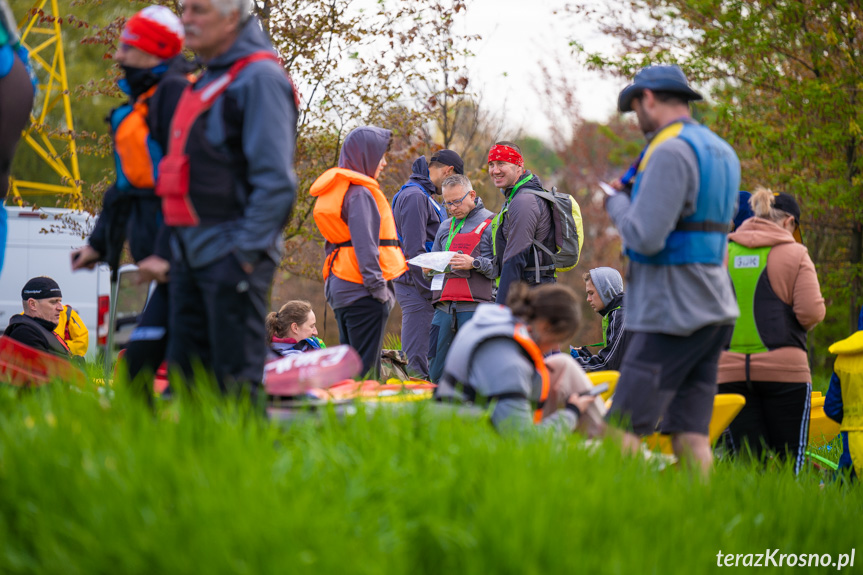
(43, 304)
(604, 288)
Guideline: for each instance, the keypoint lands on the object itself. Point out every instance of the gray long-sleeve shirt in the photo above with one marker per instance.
(678, 299)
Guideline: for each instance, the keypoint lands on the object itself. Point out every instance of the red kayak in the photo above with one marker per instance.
(24, 366)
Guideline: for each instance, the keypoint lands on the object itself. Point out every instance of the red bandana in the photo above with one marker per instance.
(505, 154)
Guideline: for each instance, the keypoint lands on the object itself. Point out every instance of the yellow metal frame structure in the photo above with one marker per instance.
(44, 139)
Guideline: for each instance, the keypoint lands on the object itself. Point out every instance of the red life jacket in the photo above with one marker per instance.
(466, 285)
(216, 178)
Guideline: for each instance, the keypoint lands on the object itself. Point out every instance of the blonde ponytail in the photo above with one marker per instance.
(762, 201)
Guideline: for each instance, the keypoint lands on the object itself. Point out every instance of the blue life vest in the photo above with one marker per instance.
(700, 238)
(437, 209)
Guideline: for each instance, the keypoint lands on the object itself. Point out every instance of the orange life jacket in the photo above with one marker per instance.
(135, 152)
(523, 339)
(330, 189)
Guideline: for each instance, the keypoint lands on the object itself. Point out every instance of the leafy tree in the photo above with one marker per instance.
(351, 66)
(785, 79)
(586, 153)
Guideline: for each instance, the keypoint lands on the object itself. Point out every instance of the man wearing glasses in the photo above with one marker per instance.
(470, 281)
(418, 217)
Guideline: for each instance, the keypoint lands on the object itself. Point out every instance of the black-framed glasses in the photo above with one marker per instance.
(457, 203)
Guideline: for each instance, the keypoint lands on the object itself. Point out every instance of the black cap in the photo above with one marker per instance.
(40, 288)
(449, 158)
(787, 203)
(657, 79)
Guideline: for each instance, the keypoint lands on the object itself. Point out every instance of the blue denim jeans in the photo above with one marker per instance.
(443, 329)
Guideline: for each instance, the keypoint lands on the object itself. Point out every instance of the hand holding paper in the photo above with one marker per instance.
(437, 261)
(609, 191)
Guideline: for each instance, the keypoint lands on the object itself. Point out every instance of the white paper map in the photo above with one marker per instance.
(437, 261)
(609, 191)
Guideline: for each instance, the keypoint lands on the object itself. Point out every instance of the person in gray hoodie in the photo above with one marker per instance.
(502, 359)
(470, 282)
(418, 216)
(604, 288)
(363, 254)
(242, 187)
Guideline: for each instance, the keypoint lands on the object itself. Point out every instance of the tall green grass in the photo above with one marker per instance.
(92, 483)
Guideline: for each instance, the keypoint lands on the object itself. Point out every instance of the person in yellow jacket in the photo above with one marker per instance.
(844, 402)
(362, 247)
(73, 331)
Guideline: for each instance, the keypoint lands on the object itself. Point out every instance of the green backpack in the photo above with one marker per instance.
(568, 229)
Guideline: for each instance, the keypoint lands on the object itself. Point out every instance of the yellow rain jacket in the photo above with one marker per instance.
(849, 369)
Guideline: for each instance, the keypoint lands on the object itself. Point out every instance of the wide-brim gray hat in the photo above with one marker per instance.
(657, 79)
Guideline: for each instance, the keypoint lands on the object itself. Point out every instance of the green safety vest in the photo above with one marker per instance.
(746, 266)
(605, 326)
(765, 321)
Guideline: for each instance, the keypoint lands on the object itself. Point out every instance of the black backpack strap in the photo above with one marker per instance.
(705, 226)
(382, 243)
(537, 269)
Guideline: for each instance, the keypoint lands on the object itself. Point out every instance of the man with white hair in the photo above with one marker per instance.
(470, 281)
(227, 186)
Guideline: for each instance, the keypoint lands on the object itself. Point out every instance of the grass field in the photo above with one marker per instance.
(91, 482)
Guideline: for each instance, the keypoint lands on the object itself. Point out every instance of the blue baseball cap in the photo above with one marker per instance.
(657, 79)
(744, 210)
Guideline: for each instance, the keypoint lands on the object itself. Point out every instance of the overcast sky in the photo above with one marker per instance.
(516, 36)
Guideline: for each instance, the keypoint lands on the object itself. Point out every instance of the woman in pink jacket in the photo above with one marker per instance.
(780, 301)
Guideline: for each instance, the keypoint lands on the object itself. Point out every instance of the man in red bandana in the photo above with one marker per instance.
(525, 218)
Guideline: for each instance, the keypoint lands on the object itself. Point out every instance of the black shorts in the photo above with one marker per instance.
(669, 378)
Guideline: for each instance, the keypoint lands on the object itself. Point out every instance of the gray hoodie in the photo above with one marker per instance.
(500, 369)
(607, 282)
(362, 152)
(264, 99)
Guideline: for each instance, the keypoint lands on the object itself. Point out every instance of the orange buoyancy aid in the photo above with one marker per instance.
(330, 189)
(521, 336)
(136, 154)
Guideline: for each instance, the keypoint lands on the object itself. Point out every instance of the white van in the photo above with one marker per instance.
(39, 243)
